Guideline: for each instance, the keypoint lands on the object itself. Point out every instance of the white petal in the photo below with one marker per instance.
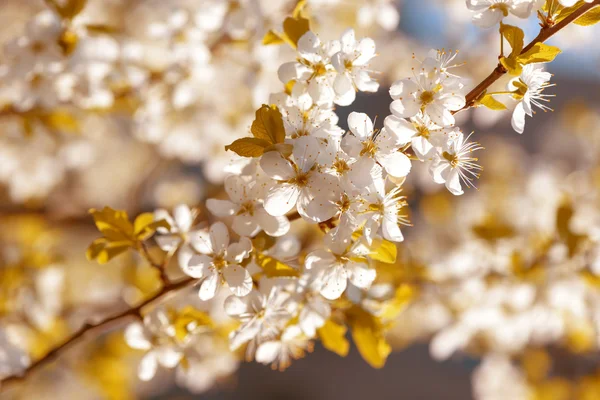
(360, 124)
(276, 167)
(168, 242)
(183, 217)
(267, 352)
(273, 226)
(198, 266)
(135, 336)
(334, 282)
(361, 275)
(309, 46)
(281, 199)
(405, 108)
(403, 89)
(236, 252)
(391, 229)
(167, 356)
(209, 285)
(293, 70)
(401, 128)
(518, 118)
(147, 367)
(245, 225)
(306, 150)
(488, 18)
(360, 172)
(396, 164)
(238, 279)
(219, 237)
(200, 240)
(221, 208)
(453, 182)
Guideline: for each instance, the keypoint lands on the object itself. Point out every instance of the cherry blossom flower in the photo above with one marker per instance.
(488, 13)
(219, 260)
(529, 88)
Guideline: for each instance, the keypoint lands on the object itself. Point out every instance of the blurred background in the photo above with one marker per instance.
(131, 107)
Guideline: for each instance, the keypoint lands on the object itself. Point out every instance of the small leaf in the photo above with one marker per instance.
(145, 226)
(248, 147)
(589, 18)
(103, 250)
(514, 36)
(333, 338)
(274, 268)
(268, 125)
(272, 38)
(295, 28)
(384, 251)
(539, 53)
(512, 65)
(403, 295)
(114, 224)
(490, 102)
(368, 335)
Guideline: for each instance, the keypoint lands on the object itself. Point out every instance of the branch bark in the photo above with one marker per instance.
(98, 327)
(545, 34)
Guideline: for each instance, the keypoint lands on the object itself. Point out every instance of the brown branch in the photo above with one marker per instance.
(161, 267)
(102, 326)
(545, 34)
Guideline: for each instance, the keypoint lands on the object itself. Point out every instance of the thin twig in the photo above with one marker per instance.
(102, 326)
(161, 267)
(545, 34)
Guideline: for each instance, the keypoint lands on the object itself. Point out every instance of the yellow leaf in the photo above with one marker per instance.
(60, 120)
(333, 338)
(114, 224)
(145, 226)
(368, 335)
(512, 65)
(272, 267)
(401, 298)
(384, 251)
(268, 125)
(514, 36)
(103, 250)
(272, 38)
(68, 8)
(589, 18)
(539, 53)
(299, 8)
(294, 28)
(248, 147)
(490, 102)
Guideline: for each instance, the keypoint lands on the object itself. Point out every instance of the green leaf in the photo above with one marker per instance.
(248, 147)
(589, 18)
(490, 102)
(268, 125)
(539, 53)
(368, 335)
(512, 65)
(333, 338)
(384, 251)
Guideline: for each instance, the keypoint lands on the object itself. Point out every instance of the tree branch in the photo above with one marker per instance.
(545, 34)
(102, 326)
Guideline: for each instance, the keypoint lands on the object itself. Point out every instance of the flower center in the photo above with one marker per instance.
(375, 207)
(340, 166)
(300, 180)
(219, 261)
(319, 69)
(369, 148)
(344, 203)
(426, 97)
(348, 64)
(451, 158)
(300, 133)
(422, 131)
(246, 208)
(500, 6)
